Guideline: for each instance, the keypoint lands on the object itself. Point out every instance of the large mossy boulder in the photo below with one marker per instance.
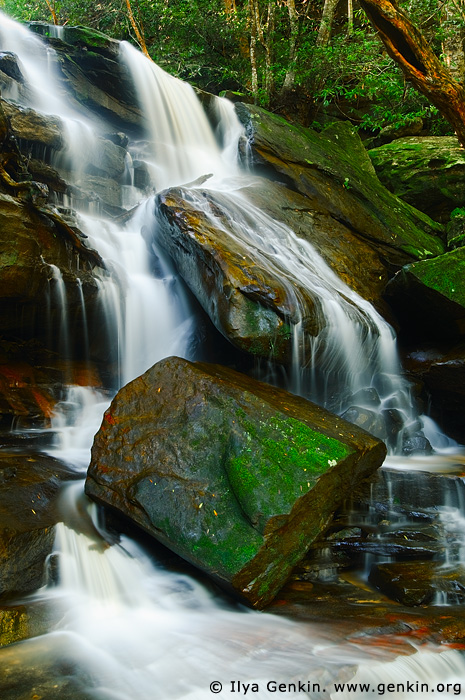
(234, 475)
(427, 172)
(333, 170)
(429, 296)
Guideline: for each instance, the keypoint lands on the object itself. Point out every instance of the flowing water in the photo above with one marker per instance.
(126, 627)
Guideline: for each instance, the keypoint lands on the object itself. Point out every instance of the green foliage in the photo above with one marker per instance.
(197, 40)
(457, 213)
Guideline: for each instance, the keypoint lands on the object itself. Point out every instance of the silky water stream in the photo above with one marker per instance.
(122, 625)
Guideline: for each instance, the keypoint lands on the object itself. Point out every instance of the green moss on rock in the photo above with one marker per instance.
(430, 295)
(333, 171)
(445, 274)
(234, 475)
(428, 173)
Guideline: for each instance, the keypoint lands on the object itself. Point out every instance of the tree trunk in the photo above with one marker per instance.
(409, 48)
(253, 48)
(453, 43)
(268, 46)
(327, 18)
(139, 31)
(52, 11)
(350, 17)
(294, 33)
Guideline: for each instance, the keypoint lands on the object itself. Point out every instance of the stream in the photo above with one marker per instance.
(127, 622)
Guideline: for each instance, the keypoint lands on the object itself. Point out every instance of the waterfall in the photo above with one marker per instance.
(354, 357)
(126, 628)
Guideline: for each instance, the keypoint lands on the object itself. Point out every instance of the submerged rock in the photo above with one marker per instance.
(234, 475)
(334, 171)
(427, 172)
(420, 583)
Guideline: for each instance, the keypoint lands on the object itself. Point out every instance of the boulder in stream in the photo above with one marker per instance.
(234, 475)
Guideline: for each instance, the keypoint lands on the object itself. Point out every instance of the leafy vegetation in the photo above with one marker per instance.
(275, 51)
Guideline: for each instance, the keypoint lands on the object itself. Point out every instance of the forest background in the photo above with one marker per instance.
(313, 61)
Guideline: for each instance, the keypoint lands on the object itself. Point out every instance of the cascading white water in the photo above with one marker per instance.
(127, 625)
(356, 350)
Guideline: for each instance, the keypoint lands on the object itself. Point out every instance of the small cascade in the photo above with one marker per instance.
(85, 329)
(185, 147)
(407, 677)
(144, 302)
(41, 91)
(81, 148)
(75, 421)
(58, 299)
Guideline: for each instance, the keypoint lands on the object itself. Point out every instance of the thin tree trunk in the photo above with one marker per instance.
(327, 18)
(294, 33)
(253, 48)
(350, 17)
(453, 43)
(268, 45)
(409, 48)
(139, 32)
(230, 7)
(52, 11)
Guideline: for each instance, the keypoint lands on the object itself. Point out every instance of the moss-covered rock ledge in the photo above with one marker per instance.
(236, 476)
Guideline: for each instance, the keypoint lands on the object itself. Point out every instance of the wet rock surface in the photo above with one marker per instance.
(334, 171)
(89, 66)
(29, 485)
(442, 370)
(235, 476)
(249, 297)
(33, 243)
(419, 583)
(400, 534)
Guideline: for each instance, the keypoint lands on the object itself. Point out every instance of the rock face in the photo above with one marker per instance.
(442, 370)
(427, 172)
(246, 300)
(429, 296)
(34, 243)
(419, 583)
(88, 65)
(235, 476)
(28, 487)
(247, 297)
(334, 171)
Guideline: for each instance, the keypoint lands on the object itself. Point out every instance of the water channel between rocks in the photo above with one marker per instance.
(125, 623)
